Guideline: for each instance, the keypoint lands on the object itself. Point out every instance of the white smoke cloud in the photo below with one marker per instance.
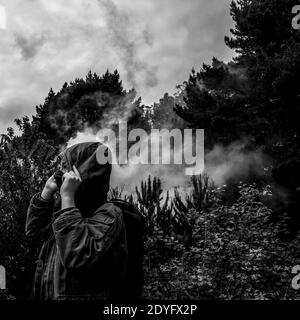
(132, 174)
(222, 164)
(233, 161)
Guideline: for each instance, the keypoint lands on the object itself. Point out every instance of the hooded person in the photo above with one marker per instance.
(84, 251)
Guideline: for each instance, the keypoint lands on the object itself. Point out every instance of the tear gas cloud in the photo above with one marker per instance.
(222, 163)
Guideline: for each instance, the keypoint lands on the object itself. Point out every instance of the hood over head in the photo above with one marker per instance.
(94, 187)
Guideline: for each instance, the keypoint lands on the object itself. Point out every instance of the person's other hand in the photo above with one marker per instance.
(49, 189)
(71, 181)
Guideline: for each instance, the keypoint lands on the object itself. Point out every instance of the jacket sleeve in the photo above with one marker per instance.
(39, 216)
(81, 242)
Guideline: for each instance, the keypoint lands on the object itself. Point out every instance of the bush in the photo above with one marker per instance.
(236, 254)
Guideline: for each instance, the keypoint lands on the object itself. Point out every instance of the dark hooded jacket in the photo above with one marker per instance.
(84, 252)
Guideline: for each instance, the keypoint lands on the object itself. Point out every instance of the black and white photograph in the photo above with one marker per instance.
(149, 151)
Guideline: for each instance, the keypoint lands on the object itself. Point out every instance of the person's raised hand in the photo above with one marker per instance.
(49, 189)
(71, 182)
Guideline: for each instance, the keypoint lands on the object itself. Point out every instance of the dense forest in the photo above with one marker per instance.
(238, 240)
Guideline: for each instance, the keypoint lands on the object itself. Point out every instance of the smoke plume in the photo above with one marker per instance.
(222, 164)
(122, 36)
(233, 162)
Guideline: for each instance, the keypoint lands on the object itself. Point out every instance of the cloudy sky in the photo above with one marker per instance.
(153, 44)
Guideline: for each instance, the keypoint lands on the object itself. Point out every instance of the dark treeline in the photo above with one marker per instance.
(235, 243)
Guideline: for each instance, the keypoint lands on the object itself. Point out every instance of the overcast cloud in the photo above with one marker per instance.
(153, 44)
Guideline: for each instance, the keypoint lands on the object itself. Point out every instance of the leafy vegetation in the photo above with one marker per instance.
(211, 250)
(234, 253)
